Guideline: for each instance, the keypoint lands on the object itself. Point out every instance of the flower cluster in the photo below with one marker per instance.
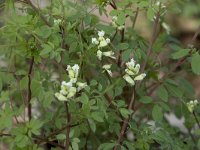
(132, 70)
(115, 24)
(57, 22)
(191, 105)
(102, 42)
(69, 89)
(107, 69)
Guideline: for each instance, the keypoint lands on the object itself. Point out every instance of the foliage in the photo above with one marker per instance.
(68, 80)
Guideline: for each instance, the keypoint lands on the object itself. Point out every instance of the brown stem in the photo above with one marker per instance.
(29, 88)
(197, 120)
(68, 127)
(152, 40)
(39, 139)
(125, 122)
(179, 63)
(136, 15)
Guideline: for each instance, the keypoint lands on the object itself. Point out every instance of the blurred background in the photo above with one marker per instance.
(182, 21)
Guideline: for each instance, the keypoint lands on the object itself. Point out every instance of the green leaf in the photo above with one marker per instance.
(84, 98)
(150, 13)
(146, 99)
(121, 18)
(174, 90)
(125, 112)
(180, 53)
(98, 116)
(195, 63)
(92, 125)
(61, 136)
(122, 46)
(143, 4)
(162, 93)
(106, 146)
(75, 146)
(44, 31)
(157, 113)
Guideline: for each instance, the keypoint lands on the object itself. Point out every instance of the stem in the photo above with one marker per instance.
(197, 120)
(152, 40)
(179, 63)
(68, 127)
(125, 122)
(29, 88)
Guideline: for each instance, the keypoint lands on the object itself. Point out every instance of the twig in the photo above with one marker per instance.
(5, 134)
(152, 40)
(47, 141)
(197, 120)
(68, 127)
(29, 88)
(179, 63)
(125, 122)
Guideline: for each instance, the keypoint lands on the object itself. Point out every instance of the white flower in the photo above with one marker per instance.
(81, 85)
(114, 24)
(102, 42)
(72, 92)
(101, 33)
(107, 69)
(57, 21)
(95, 41)
(73, 72)
(67, 84)
(99, 54)
(109, 54)
(114, 18)
(191, 105)
(60, 97)
(166, 27)
(120, 27)
(132, 70)
(131, 64)
(129, 80)
(140, 77)
(75, 67)
(107, 40)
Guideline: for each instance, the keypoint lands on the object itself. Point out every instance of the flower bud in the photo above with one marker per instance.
(60, 97)
(140, 77)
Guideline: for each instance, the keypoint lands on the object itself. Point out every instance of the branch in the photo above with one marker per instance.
(197, 120)
(152, 40)
(29, 88)
(68, 127)
(125, 122)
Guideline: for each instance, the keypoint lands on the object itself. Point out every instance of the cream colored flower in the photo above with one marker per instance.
(81, 86)
(129, 80)
(107, 69)
(191, 105)
(132, 70)
(109, 54)
(73, 72)
(95, 41)
(60, 97)
(101, 33)
(99, 55)
(140, 77)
